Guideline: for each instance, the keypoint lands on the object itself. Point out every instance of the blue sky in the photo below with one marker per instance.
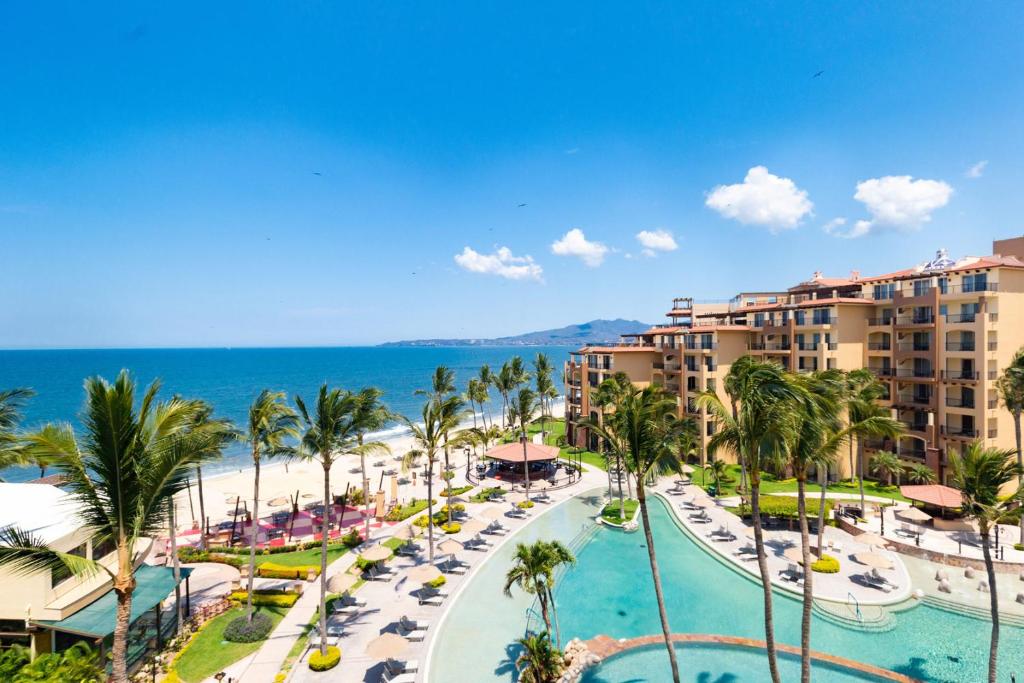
(306, 173)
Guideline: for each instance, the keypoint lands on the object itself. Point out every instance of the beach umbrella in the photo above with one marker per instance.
(515, 498)
(406, 533)
(493, 513)
(377, 553)
(794, 555)
(279, 501)
(449, 547)
(424, 573)
(340, 583)
(307, 495)
(913, 514)
(473, 527)
(542, 485)
(870, 538)
(873, 560)
(387, 646)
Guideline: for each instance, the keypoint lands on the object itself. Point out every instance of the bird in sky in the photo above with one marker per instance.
(522, 205)
(818, 74)
(317, 173)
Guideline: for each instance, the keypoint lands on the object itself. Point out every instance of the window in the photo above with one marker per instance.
(711, 384)
(706, 341)
(799, 316)
(102, 549)
(922, 287)
(975, 283)
(62, 574)
(882, 292)
(759, 320)
(821, 316)
(943, 285)
(710, 428)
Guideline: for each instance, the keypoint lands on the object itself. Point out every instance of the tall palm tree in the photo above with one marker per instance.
(331, 430)
(610, 392)
(755, 429)
(980, 473)
(919, 473)
(486, 379)
(533, 570)
(271, 425)
(505, 382)
(371, 416)
(862, 393)
(644, 430)
(886, 464)
(522, 408)
(718, 469)
(442, 384)
(438, 419)
(1010, 386)
(545, 386)
(519, 373)
(122, 472)
(11, 403)
(539, 661)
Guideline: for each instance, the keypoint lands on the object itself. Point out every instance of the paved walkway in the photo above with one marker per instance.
(833, 587)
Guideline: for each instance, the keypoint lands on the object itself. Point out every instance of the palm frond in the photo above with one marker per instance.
(24, 553)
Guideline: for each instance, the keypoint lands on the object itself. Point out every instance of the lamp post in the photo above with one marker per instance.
(526, 466)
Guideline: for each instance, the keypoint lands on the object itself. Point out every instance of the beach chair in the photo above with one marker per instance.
(388, 677)
(397, 666)
(456, 567)
(701, 517)
(881, 578)
(722, 533)
(516, 512)
(408, 550)
(746, 552)
(876, 582)
(378, 573)
(792, 574)
(542, 497)
(496, 528)
(431, 597)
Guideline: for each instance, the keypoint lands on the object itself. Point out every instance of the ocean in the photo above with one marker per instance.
(230, 378)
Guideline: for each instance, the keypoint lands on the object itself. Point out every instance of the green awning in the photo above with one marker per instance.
(153, 584)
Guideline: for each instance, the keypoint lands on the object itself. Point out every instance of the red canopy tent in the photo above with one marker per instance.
(513, 452)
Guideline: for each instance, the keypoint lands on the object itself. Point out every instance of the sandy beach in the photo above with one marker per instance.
(281, 479)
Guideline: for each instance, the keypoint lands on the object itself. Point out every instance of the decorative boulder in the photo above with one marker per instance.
(941, 574)
(983, 586)
(944, 586)
(1020, 598)
(918, 593)
(969, 572)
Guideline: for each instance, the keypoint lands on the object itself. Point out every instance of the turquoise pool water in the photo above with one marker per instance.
(708, 664)
(609, 591)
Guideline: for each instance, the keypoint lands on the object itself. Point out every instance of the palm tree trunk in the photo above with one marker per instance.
(447, 482)
(823, 481)
(124, 585)
(554, 617)
(1020, 464)
(202, 509)
(545, 615)
(766, 579)
(620, 474)
(662, 613)
(993, 598)
(852, 471)
(366, 495)
(325, 526)
(808, 597)
(526, 465)
(430, 507)
(254, 536)
(860, 477)
(176, 565)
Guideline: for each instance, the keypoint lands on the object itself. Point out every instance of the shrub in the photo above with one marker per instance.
(457, 491)
(267, 598)
(421, 521)
(400, 512)
(1018, 546)
(318, 663)
(351, 539)
(355, 498)
(786, 506)
(448, 476)
(485, 495)
(241, 631)
(452, 528)
(436, 583)
(826, 564)
(194, 555)
(270, 570)
(458, 507)
(525, 505)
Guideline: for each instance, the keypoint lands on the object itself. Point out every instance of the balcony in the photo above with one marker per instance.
(913, 346)
(832, 346)
(883, 372)
(807, 346)
(993, 403)
(879, 322)
(972, 288)
(916, 319)
(755, 347)
(959, 432)
(960, 375)
(777, 347)
(993, 345)
(691, 408)
(959, 402)
(960, 346)
(993, 433)
(827, 320)
(916, 427)
(915, 373)
(961, 318)
(879, 346)
(913, 401)
(701, 347)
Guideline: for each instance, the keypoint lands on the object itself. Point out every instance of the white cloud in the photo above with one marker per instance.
(655, 241)
(977, 170)
(900, 201)
(575, 243)
(762, 199)
(835, 228)
(501, 263)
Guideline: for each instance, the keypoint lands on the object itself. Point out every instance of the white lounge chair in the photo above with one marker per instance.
(701, 517)
(388, 677)
(876, 582)
(431, 596)
(398, 666)
(793, 574)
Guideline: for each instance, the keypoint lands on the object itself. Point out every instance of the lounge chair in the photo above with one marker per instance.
(541, 497)
(431, 596)
(412, 629)
(875, 582)
(453, 566)
(701, 517)
(347, 600)
(517, 512)
(397, 666)
(388, 677)
(478, 542)
(881, 578)
(906, 530)
(496, 528)
(793, 574)
(689, 505)
(722, 533)
(409, 550)
(378, 573)
(746, 552)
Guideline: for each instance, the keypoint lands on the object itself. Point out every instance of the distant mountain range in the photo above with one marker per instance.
(593, 332)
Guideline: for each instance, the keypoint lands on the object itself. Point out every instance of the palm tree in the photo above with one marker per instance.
(919, 473)
(519, 373)
(980, 473)
(486, 378)
(644, 430)
(1010, 386)
(505, 382)
(522, 408)
(332, 430)
(437, 420)
(533, 570)
(545, 386)
(11, 403)
(608, 393)
(719, 469)
(442, 384)
(863, 389)
(539, 662)
(122, 472)
(886, 464)
(754, 430)
(272, 423)
(371, 416)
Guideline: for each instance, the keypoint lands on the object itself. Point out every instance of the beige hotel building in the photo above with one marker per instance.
(937, 335)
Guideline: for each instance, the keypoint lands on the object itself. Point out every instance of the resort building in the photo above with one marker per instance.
(937, 335)
(48, 611)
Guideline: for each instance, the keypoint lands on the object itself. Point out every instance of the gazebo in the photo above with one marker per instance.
(509, 457)
(933, 494)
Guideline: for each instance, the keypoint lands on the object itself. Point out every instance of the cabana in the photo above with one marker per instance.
(540, 459)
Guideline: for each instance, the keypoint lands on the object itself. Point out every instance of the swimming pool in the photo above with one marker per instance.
(609, 592)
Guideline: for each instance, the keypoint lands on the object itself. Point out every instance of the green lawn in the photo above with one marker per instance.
(610, 513)
(769, 484)
(556, 430)
(209, 653)
(300, 558)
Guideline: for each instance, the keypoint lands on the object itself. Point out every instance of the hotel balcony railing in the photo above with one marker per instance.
(884, 372)
(915, 319)
(967, 289)
(910, 399)
(958, 318)
(960, 346)
(918, 453)
(914, 426)
(830, 320)
(700, 347)
(993, 433)
(832, 346)
(878, 322)
(807, 346)
(915, 372)
(879, 346)
(993, 345)
(777, 347)
(959, 402)
(691, 408)
(960, 375)
(993, 374)
(755, 347)
(959, 432)
(913, 346)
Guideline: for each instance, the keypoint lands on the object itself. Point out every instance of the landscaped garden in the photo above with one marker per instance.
(209, 652)
(772, 484)
(610, 512)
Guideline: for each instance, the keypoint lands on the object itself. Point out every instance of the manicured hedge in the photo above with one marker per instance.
(267, 598)
(525, 505)
(485, 495)
(240, 630)
(786, 507)
(270, 570)
(452, 528)
(318, 663)
(436, 583)
(401, 512)
(826, 564)
(458, 491)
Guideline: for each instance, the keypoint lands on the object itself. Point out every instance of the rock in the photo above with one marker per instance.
(944, 586)
(1020, 598)
(941, 574)
(983, 586)
(918, 593)
(969, 572)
